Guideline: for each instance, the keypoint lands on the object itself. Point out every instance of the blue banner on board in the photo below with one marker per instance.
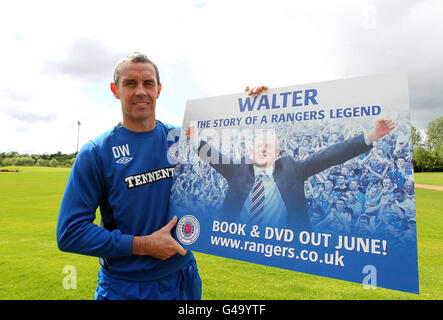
(313, 178)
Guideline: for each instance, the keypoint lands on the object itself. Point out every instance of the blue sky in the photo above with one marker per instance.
(58, 57)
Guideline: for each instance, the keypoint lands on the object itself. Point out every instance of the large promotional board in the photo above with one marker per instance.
(313, 178)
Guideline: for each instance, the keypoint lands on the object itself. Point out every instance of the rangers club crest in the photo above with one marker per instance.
(188, 229)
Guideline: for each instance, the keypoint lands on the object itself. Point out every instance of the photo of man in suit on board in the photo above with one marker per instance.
(269, 190)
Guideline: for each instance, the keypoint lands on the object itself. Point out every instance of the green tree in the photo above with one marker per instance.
(42, 162)
(434, 134)
(416, 137)
(53, 163)
(8, 162)
(67, 163)
(24, 161)
(439, 155)
(420, 155)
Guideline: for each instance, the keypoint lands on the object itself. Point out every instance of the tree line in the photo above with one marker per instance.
(428, 151)
(43, 160)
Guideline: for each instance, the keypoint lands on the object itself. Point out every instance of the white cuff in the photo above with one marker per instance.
(367, 141)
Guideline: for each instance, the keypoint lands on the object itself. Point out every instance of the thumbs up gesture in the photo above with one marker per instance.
(159, 244)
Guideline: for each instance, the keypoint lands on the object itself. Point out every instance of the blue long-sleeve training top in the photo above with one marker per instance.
(127, 174)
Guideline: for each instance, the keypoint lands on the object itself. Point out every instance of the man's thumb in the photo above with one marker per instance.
(171, 224)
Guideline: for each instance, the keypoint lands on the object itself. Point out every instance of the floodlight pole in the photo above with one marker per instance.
(78, 134)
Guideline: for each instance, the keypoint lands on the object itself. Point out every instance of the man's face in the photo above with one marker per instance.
(400, 197)
(340, 205)
(409, 186)
(401, 163)
(387, 183)
(379, 152)
(351, 197)
(328, 185)
(364, 223)
(353, 185)
(265, 150)
(373, 191)
(138, 91)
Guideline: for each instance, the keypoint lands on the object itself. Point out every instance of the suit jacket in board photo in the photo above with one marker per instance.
(289, 175)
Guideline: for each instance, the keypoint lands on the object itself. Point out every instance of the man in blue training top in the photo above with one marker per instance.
(126, 172)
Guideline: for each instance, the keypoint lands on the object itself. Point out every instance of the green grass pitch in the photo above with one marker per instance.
(31, 266)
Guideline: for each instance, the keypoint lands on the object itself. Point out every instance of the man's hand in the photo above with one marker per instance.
(255, 90)
(192, 135)
(190, 132)
(159, 244)
(381, 128)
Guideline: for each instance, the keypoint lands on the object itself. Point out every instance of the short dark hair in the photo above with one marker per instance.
(364, 217)
(135, 57)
